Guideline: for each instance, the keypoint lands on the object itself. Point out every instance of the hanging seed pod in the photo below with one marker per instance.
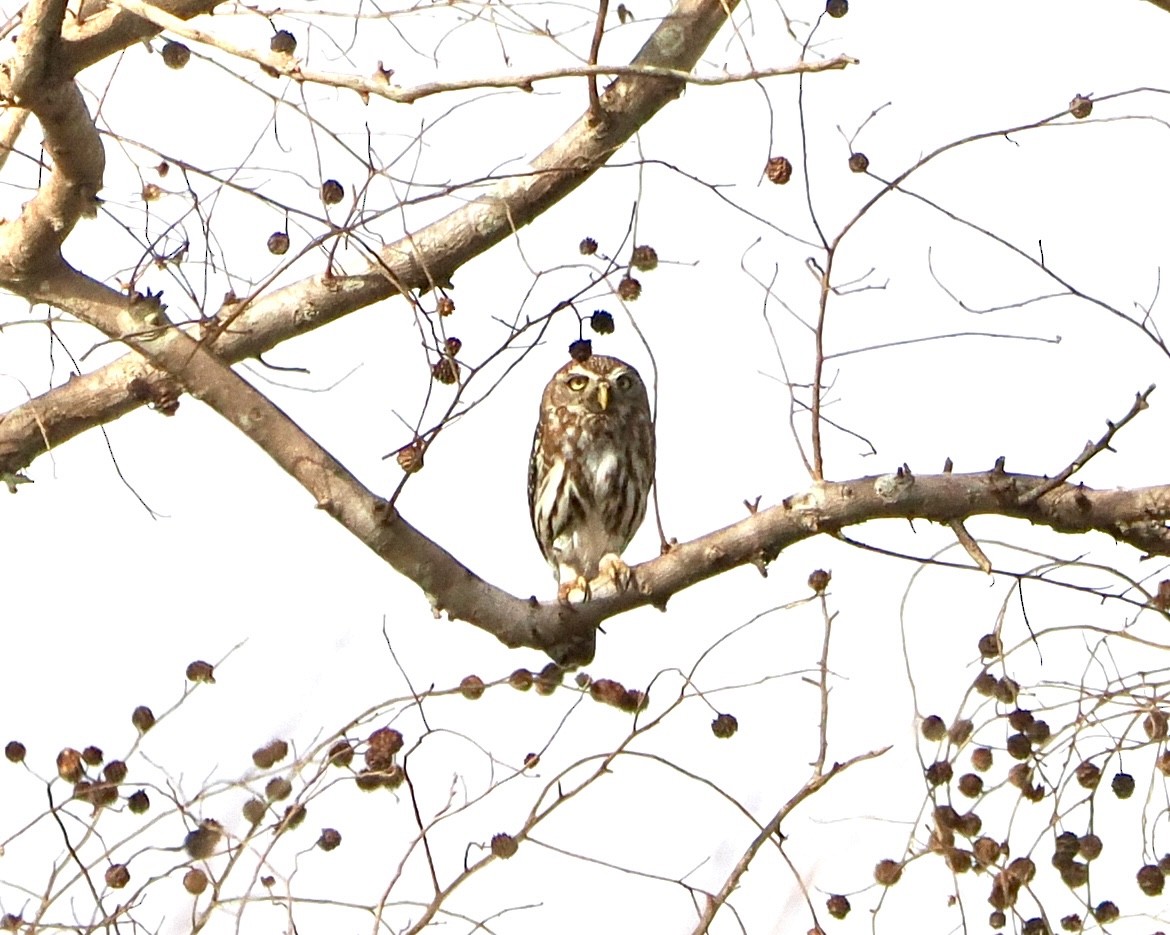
(724, 726)
(175, 55)
(283, 42)
(778, 170)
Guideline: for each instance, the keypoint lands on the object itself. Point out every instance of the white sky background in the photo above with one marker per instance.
(105, 606)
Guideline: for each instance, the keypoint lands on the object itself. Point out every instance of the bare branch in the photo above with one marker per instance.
(379, 86)
(1092, 449)
(416, 261)
(71, 141)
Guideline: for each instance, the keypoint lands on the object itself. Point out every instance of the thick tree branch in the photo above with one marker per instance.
(416, 261)
(28, 81)
(1139, 517)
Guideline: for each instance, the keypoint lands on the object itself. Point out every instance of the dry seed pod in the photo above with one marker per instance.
(330, 839)
(939, 773)
(292, 817)
(581, 350)
(138, 802)
(1080, 107)
(1122, 785)
(1106, 912)
(1151, 880)
(14, 751)
(369, 780)
(1022, 870)
(1020, 776)
(410, 457)
(985, 684)
(69, 766)
(958, 860)
(114, 772)
(445, 371)
(270, 754)
(1089, 846)
(644, 258)
(724, 726)
(195, 881)
(990, 646)
(970, 785)
(331, 191)
(277, 789)
(933, 727)
(200, 671)
(117, 876)
(887, 872)
(858, 162)
(1088, 775)
(471, 687)
(819, 581)
(1071, 922)
(254, 811)
(778, 170)
(997, 919)
(1038, 732)
(175, 55)
(278, 243)
(445, 306)
(969, 825)
(981, 759)
(521, 680)
(1020, 718)
(607, 691)
(1019, 747)
(629, 288)
(838, 906)
(837, 8)
(93, 756)
(341, 753)
(504, 846)
(142, 718)
(601, 322)
(1074, 874)
(283, 42)
(202, 841)
(1007, 690)
(1004, 889)
(986, 851)
(1155, 725)
(961, 731)
(587, 247)
(1067, 843)
(394, 777)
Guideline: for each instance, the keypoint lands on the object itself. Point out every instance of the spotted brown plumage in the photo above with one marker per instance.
(591, 470)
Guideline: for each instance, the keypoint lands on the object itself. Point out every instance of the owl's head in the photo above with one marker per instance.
(597, 385)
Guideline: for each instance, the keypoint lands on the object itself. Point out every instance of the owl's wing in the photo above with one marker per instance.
(535, 469)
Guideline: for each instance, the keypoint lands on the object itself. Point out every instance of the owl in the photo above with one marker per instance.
(591, 470)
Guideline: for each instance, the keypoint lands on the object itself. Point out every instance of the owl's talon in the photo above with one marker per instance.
(612, 567)
(579, 586)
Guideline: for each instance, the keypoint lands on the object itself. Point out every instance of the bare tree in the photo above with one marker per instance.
(292, 206)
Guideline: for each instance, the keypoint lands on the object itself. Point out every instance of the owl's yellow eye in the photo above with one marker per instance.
(578, 382)
(624, 382)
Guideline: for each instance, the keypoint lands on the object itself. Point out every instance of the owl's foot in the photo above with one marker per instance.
(612, 567)
(575, 591)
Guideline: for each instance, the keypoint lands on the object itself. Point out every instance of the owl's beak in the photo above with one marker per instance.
(603, 395)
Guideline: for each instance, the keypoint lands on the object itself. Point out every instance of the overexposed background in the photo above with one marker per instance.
(105, 604)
